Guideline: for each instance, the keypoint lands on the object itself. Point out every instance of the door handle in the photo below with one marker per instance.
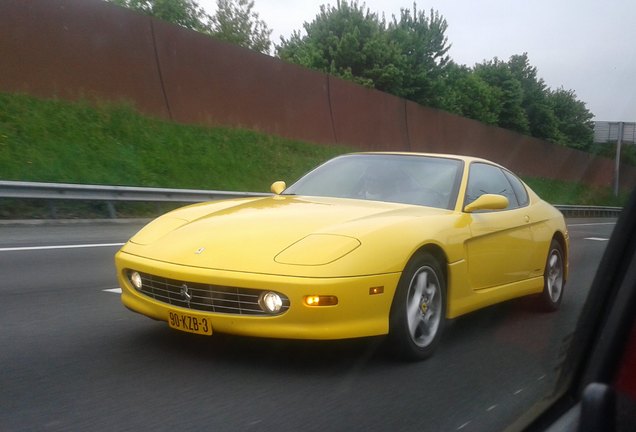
(526, 218)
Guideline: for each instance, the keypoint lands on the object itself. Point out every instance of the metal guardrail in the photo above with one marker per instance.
(13, 189)
(589, 211)
(112, 194)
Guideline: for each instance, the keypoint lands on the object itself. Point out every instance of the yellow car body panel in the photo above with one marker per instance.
(343, 247)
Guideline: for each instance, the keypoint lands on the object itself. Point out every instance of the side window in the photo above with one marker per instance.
(519, 188)
(489, 179)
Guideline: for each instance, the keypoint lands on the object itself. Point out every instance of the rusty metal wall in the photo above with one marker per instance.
(215, 83)
(437, 131)
(367, 119)
(91, 49)
(75, 49)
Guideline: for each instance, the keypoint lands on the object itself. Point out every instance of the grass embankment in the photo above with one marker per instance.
(59, 141)
(561, 192)
(62, 142)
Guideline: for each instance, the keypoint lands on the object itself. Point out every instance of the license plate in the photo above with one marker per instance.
(189, 323)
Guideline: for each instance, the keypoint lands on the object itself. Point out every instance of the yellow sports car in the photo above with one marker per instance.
(366, 244)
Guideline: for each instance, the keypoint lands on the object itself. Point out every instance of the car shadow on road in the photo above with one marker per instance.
(298, 355)
(325, 356)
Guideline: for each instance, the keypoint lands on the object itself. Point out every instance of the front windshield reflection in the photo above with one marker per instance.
(418, 180)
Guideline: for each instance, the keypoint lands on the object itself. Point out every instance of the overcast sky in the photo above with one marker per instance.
(588, 46)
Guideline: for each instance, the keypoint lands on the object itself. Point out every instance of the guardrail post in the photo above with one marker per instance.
(52, 208)
(112, 212)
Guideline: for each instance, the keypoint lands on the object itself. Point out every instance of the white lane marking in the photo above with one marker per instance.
(463, 426)
(596, 238)
(592, 224)
(113, 290)
(492, 407)
(77, 246)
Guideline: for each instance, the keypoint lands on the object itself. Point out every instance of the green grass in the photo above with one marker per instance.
(112, 144)
(562, 192)
(57, 141)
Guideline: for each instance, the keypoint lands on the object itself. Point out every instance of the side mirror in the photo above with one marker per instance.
(278, 187)
(487, 202)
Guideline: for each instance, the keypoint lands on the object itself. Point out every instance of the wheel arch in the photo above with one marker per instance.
(439, 254)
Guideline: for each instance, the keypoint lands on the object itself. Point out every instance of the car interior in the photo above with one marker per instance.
(597, 386)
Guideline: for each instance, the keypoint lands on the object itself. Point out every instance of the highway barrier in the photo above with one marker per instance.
(53, 192)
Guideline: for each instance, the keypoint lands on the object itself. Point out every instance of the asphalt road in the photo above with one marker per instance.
(72, 358)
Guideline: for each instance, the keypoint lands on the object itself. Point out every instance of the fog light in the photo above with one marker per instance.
(270, 302)
(314, 300)
(135, 278)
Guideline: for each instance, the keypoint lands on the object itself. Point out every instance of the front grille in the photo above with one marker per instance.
(204, 297)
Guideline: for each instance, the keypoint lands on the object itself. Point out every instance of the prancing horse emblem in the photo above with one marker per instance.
(185, 293)
(199, 251)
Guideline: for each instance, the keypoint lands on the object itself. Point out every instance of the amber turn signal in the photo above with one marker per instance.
(315, 300)
(376, 290)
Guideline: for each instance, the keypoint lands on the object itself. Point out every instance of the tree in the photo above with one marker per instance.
(467, 94)
(498, 75)
(423, 46)
(574, 120)
(542, 122)
(529, 106)
(350, 42)
(237, 23)
(186, 13)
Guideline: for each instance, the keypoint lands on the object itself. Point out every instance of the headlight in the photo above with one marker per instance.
(270, 302)
(135, 279)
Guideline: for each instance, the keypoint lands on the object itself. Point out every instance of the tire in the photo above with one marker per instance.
(418, 312)
(553, 278)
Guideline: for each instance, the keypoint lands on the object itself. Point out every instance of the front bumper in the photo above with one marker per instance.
(357, 314)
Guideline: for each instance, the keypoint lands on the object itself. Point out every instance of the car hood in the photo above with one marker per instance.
(284, 235)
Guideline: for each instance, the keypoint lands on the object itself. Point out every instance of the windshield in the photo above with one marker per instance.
(417, 180)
